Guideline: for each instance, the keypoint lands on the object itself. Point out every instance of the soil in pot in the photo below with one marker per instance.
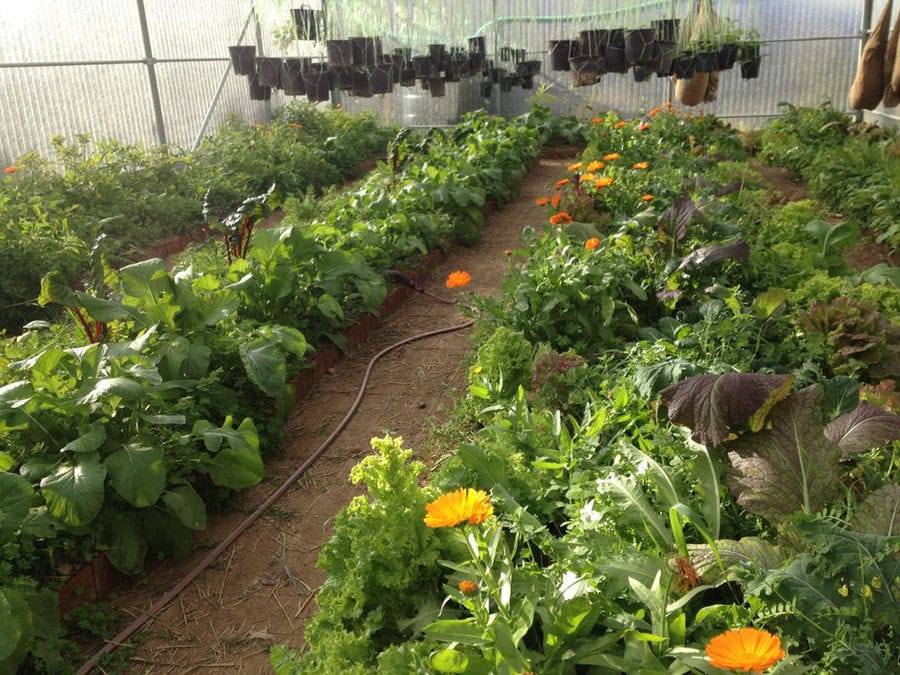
(586, 70)
(243, 59)
(292, 77)
(268, 71)
(640, 46)
(560, 53)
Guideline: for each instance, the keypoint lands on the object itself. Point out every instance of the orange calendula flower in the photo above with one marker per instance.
(745, 649)
(647, 198)
(465, 505)
(597, 120)
(619, 124)
(596, 165)
(612, 157)
(458, 279)
(644, 126)
(554, 201)
(601, 183)
(592, 243)
(640, 166)
(507, 251)
(468, 587)
(574, 167)
(586, 177)
(10, 169)
(542, 201)
(655, 112)
(561, 218)
(294, 125)
(561, 182)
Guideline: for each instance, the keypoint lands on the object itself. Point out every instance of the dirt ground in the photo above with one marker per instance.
(261, 591)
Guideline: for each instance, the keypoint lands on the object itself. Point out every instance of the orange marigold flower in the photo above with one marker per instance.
(561, 218)
(561, 182)
(592, 243)
(294, 125)
(601, 183)
(644, 126)
(597, 120)
(612, 157)
(554, 201)
(655, 111)
(574, 167)
(640, 166)
(745, 649)
(468, 587)
(542, 201)
(585, 177)
(596, 165)
(10, 169)
(465, 505)
(647, 198)
(619, 124)
(458, 279)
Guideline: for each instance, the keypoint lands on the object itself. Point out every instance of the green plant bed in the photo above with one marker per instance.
(664, 439)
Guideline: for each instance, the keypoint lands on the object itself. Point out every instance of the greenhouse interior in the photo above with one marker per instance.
(476, 336)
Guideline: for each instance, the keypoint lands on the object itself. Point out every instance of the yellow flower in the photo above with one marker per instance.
(647, 198)
(612, 157)
(601, 183)
(745, 649)
(542, 201)
(596, 165)
(458, 279)
(585, 177)
(619, 124)
(592, 243)
(561, 218)
(574, 167)
(468, 587)
(876, 583)
(465, 505)
(867, 592)
(640, 166)
(843, 591)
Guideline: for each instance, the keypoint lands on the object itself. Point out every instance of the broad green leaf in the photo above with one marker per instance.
(165, 533)
(90, 441)
(126, 545)
(577, 616)
(6, 461)
(264, 364)
(863, 429)
(164, 420)
(187, 506)
(791, 466)
(841, 395)
(15, 629)
(235, 468)
(290, 338)
(749, 551)
(123, 387)
(490, 470)
(74, 492)
(710, 404)
(101, 309)
(146, 280)
(16, 497)
(55, 289)
(879, 512)
(330, 307)
(137, 473)
(632, 497)
(450, 661)
(653, 378)
(767, 303)
(464, 631)
(506, 644)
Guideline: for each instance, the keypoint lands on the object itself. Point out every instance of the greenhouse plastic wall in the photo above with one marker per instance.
(76, 66)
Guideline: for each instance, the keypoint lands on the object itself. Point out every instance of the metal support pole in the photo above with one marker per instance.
(215, 99)
(151, 75)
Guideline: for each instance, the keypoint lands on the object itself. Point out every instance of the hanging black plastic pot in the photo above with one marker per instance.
(452, 71)
(259, 92)
(486, 88)
(560, 53)
(641, 73)
(437, 87)
(586, 70)
(344, 78)
(593, 42)
(727, 55)
(496, 74)
(268, 70)
(614, 59)
(307, 21)
(317, 81)
(366, 51)
(519, 55)
(665, 55)
(476, 45)
(340, 53)
(640, 46)
(507, 82)
(750, 59)
(666, 29)
(292, 77)
(407, 77)
(684, 65)
(438, 54)
(528, 68)
(527, 82)
(706, 61)
(243, 59)
(395, 64)
(362, 84)
(423, 67)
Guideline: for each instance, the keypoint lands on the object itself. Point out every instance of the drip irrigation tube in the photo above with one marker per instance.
(245, 524)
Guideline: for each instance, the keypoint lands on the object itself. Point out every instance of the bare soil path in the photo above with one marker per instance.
(261, 591)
